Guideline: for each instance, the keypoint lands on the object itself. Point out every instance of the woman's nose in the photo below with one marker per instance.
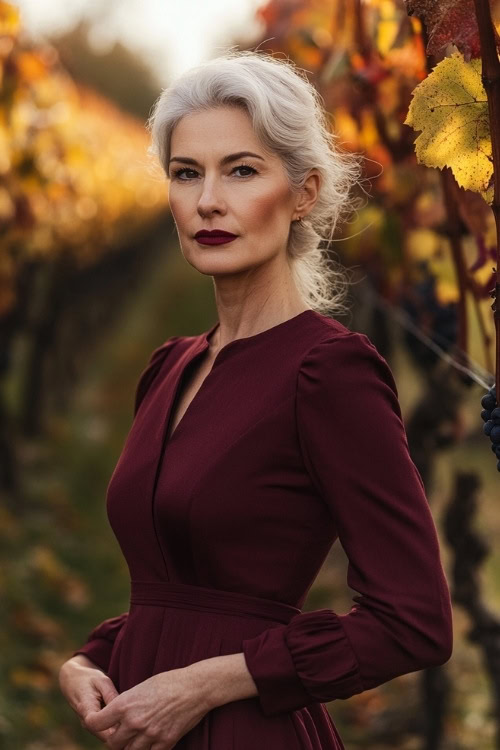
(211, 197)
(207, 207)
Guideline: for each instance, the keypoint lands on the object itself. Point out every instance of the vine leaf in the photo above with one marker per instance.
(450, 107)
(451, 22)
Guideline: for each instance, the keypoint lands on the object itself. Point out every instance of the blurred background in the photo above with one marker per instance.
(92, 280)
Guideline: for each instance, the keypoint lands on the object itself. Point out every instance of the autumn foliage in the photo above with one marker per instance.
(74, 174)
(406, 112)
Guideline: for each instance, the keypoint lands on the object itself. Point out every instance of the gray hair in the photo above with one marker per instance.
(288, 118)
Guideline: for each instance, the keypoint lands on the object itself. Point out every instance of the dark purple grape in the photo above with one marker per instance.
(495, 434)
(495, 414)
(488, 426)
(488, 401)
(441, 321)
(485, 415)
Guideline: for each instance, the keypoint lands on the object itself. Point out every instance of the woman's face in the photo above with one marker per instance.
(248, 196)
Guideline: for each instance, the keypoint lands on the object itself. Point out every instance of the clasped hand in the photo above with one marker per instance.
(152, 715)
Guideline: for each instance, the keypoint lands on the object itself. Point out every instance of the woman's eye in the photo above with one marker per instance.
(179, 172)
(245, 166)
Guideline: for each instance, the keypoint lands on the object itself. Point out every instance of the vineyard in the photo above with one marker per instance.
(79, 207)
(413, 85)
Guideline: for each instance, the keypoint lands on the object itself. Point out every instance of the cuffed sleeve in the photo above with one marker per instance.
(287, 663)
(354, 447)
(99, 644)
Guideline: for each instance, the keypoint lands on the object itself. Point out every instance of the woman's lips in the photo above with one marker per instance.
(216, 240)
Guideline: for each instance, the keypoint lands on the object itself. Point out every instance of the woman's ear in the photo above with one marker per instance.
(308, 194)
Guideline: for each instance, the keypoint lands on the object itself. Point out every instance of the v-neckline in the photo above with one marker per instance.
(203, 342)
(178, 383)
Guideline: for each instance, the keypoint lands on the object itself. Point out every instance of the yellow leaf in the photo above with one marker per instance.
(30, 66)
(446, 292)
(26, 677)
(422, 244)
(9, 19)
(369, 131)
(345, 126)
(388, 26)
(451, 109)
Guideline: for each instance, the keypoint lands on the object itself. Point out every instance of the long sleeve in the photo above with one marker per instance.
(355, 449)
(99, 644)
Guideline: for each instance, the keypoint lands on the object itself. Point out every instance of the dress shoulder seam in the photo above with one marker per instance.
(332, 338)
(151, 370)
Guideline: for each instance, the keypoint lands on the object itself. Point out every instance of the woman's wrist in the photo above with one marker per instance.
(222, 679)
(83, 660)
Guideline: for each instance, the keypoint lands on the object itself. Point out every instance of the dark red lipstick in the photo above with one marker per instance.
(214, 237)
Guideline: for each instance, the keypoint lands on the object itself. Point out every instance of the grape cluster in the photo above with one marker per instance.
(491, 418)
(439, 320)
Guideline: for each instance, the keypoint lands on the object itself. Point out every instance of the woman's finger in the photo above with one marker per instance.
(120, 736)
(108, 691)
(105, 718)
(140, 742)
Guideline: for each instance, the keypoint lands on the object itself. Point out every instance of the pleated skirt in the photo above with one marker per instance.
(172, 625)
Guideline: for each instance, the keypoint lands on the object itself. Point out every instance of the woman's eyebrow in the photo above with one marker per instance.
(225, 160)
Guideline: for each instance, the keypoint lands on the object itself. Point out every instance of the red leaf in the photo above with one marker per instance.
(450, 22)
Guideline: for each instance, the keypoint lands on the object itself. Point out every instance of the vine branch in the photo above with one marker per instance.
(490, 77)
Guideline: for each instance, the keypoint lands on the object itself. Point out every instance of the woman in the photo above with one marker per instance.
(254, 446)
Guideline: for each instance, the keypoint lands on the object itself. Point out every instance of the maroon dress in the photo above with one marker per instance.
(294, 439)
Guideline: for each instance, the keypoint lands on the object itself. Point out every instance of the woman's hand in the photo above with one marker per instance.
(154, 714)
(86, 687)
